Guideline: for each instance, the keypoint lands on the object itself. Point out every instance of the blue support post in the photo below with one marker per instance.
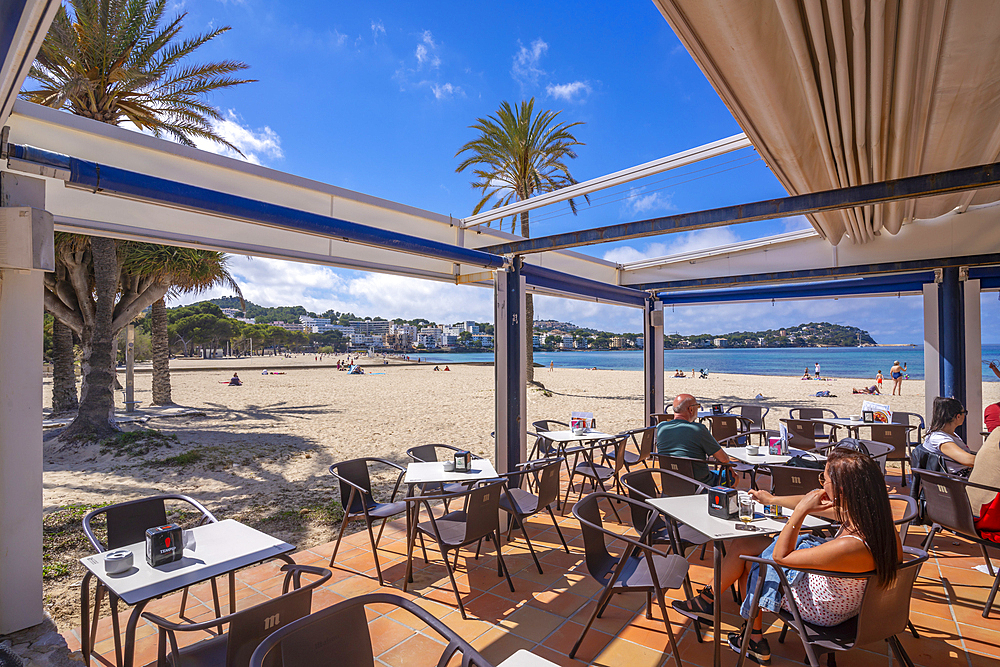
(509, 369)
(952, 331)
(652, 357)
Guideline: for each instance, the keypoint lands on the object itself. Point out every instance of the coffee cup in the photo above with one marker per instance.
(449, 466)
(753, 450)
(855, 418)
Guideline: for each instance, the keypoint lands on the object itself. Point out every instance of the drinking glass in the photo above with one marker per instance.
(746, 511)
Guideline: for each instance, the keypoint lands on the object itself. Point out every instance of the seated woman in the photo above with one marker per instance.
(805, 375)
(854, 494)
(948, 415)
(679, 373)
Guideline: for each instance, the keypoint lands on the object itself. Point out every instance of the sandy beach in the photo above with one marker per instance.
(261, 451)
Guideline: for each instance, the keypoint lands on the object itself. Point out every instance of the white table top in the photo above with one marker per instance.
(740, 454)
(523, 658)
(569, 436)
(433, 471)
(855, 423)
(220, 548)
(693, 511)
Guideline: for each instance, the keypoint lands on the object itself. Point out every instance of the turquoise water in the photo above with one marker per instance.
(846, 362)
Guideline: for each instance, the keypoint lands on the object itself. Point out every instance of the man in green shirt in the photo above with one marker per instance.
(683, 436)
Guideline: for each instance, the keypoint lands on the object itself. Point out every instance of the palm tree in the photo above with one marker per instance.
(517, 155)
(111, 60)
(187, 270)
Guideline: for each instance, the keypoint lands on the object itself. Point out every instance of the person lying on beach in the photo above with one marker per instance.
(235, 381)
(867, 390)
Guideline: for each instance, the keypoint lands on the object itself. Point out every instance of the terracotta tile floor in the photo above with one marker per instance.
(547, 612)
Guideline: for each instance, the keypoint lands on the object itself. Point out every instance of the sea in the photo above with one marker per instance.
(840, 362)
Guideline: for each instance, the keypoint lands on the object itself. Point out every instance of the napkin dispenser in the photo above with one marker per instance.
(164, 544)
(723, 502)
(463, 461)
(717, 409)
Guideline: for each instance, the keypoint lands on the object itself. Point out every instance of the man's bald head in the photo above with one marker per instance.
(685, 407)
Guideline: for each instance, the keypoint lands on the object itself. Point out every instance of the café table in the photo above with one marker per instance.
(563, 439)
(693, 512)
(420, 473)
(220, 548)
(740, 454)
(855, 425)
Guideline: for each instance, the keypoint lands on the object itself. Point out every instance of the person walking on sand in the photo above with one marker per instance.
(896, 372)
(817, 370)
(552, 366)
(878, 380)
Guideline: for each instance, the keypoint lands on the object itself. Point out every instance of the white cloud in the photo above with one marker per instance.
(446, 90)
(570, 92)
(427, 52)
(377, 29)
(675, 245)
(526, 70)
(638, 203)
(256, 145)
(797, 223)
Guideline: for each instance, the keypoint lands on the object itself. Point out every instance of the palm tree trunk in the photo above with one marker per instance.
(161, 355)
(63, 369)
(529, 317)
(95, 417)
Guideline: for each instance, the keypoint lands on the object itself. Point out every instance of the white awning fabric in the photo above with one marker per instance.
(834, 93)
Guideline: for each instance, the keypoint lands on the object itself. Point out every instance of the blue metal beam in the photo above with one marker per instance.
(911, 282)
(112, 180)
(564, 282)
(832, 272)
(913, 187)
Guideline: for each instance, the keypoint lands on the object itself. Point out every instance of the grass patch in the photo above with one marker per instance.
(329, 512)
(187, 458)
(136, 443)
(63, 540)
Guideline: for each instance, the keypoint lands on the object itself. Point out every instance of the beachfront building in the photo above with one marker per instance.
(290, 326)
(720, 342)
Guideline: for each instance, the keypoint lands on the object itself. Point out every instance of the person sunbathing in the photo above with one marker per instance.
(868, 390)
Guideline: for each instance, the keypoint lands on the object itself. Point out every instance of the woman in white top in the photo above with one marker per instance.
(941, 439)
(854, 494)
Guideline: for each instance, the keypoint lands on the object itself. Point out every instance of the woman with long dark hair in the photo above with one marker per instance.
(941, 439)
(853, 494)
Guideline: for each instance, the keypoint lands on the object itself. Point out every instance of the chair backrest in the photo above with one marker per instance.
(947, 502)
(915, 436)
(548, 425)
(658, 417)
(620, 444)
(801, 433)
(547, 474)
(892, 434)
(908, 515)
(724, 426)
(813, 413)
(423, 453)
(678, 464)
(482, 510)
(755, 413)
(792, 481)
(356, 472)
(127, 522)
(249, 627)
(645, 437)
(600, 563)
(641, 485)
(338, 636)
(885, 610)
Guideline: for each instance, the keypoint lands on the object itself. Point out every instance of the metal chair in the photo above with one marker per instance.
(907, 418)
(429, 453)
(643, 439)
(480, 519)
(791, 480)
(338, 636)
(520, 504)
(641, 486)
(895, 435)
(659, 417)
(247, 628)
(884, 613)
(595, 473)
(686, 466)
(754, 413)
(639, 567)
(126, 524)
(802, 433)
(815, 413)
(356, 487)
(947, 507)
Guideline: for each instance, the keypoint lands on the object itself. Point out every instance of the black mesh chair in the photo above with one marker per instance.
(885, 612)
(359, 503)
(947, 508)
(338, 636)
(247, 628)
(638, 567)
(520, 504)
(126, 524)
(478, 520)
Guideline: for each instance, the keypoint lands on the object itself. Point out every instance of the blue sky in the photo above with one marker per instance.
(378, 96)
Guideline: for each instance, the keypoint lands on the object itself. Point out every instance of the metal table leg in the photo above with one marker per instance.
(717, 573)
(133, 621)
